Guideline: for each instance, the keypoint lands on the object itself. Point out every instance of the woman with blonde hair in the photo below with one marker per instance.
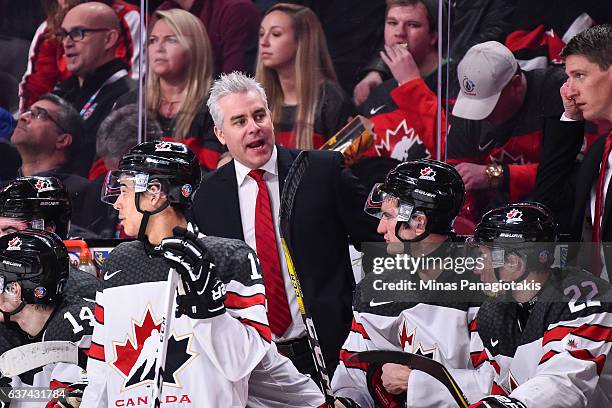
(179, 75)
(308, 106)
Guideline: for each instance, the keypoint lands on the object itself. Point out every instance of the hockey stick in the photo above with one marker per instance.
(415, 362)
(292, 183)
(28, 357)
(160, 361)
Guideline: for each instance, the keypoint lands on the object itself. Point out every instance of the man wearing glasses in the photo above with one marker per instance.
(47, 137)
(89, 34)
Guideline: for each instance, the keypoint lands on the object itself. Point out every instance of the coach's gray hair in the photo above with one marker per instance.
(228, 84)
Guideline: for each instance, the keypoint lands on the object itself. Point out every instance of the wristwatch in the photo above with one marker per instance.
(495, 172)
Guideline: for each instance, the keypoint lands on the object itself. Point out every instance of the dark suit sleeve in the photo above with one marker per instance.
(350, 198)
(556, 177)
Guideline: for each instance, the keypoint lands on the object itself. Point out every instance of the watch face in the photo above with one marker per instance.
(494, 170)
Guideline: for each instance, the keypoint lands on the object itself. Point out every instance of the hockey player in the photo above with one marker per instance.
(548, 338)
(34, 268)
(416, 205)
(43, 203)
(220, 334)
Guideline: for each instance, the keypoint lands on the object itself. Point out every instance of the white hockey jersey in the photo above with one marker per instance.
(557, 357)
(209, 361)
(71, 321)
(443, 331)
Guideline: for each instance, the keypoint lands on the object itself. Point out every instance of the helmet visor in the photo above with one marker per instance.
(495, 252)
(14, 270)
(117, 179)
(379, 203)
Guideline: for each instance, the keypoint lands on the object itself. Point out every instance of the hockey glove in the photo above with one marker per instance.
(200, 292)
(498, 401)
(73, 394)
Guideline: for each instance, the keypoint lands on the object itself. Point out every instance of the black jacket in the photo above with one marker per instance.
(98, 109)
(328, 209)
(563, 184)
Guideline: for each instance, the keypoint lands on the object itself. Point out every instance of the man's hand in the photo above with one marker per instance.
(474, 176)
(569, 103)
(200, 293)
(364, 87)
(395, 378)
(73, 394)
(401, 63)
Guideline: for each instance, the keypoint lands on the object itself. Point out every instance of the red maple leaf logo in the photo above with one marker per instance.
(40, 184)
(514, 215)
(425, 171)
(163, 146)
(128, 352)
(14, 244)
(405, 338)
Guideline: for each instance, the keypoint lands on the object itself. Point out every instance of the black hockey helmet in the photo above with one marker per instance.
(42, 201)
(527, 227)
(39, 261)
(171, 163)
(429, 186)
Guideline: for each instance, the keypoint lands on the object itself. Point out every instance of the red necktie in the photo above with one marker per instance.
(600, 193)
(279, 316)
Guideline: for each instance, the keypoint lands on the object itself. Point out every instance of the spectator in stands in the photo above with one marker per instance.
(498, 121)
(540, 29)
(404, 108)
(10, 157)
(472, 22)
(90, 36)
(414, 25)
(46, 63)
(308, 106)
(118, 133)
(232, 28)
(47, 138)
(179, 75)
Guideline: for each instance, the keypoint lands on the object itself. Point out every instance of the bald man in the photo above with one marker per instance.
(89, 34)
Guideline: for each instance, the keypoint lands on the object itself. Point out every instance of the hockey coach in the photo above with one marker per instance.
(241, 200)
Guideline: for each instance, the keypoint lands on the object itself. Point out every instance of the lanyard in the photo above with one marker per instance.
(114, 78)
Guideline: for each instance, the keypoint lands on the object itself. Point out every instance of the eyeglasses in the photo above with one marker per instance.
(77, 34)
(43, 114)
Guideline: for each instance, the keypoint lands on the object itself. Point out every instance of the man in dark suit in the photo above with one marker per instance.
(328, 209)
(587, 95)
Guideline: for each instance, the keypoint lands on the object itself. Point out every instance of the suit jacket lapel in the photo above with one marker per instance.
(587, 176)
(227, 188)
(284, 160)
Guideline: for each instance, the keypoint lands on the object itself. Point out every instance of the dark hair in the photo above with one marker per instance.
(69, 119)
(432, 15)
(594, 43)
(118, 133)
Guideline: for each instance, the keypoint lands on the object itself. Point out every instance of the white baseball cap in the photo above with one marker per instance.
(483, 73)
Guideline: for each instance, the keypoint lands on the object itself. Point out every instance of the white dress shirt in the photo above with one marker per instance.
(247, 196)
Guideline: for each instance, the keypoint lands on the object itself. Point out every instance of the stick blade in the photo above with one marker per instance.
(28, 357)
(415, 362)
